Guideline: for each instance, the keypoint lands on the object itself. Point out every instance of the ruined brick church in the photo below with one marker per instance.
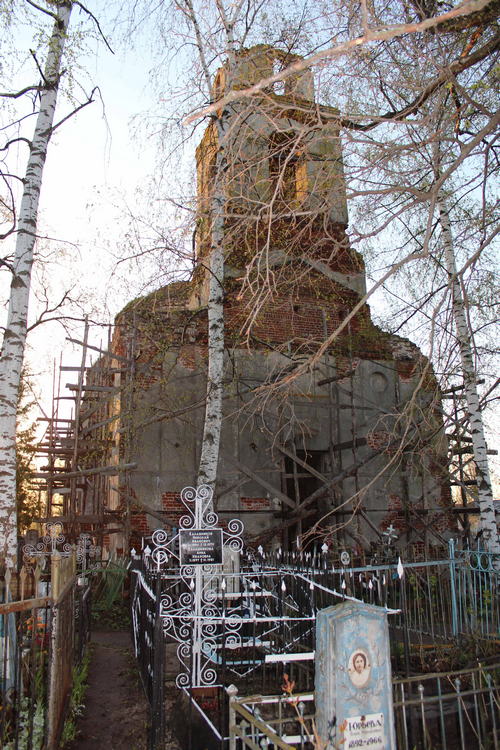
(354, 444)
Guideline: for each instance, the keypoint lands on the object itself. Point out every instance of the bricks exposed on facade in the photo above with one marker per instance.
(172, 501)
(255, 503)
(405, 522)
(380, 439)
(139, 523)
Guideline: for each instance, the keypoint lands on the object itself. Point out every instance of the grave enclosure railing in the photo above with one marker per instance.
(457, 710)
(283, 721)
(41, 640)
(45, 614)
(260, 620)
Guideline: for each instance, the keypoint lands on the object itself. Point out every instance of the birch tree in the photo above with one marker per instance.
(212, 425)
(14, 338)
(487, 521)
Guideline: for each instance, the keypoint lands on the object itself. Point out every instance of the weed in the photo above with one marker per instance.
(31, 737)
(76, 702)
(116, 617)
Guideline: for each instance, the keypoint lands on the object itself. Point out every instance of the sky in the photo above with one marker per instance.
(94, 165)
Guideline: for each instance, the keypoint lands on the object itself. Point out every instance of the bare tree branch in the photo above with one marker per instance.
(465, 8)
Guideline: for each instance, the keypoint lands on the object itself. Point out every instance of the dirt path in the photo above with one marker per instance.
(116, 710)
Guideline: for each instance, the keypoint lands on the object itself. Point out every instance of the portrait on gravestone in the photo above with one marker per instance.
(359, 668)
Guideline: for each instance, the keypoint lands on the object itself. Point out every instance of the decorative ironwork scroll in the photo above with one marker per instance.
(195, 617)
(87, 553)
(53, 542)
(217, 613)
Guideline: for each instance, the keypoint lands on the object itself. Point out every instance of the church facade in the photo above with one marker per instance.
(331, 426)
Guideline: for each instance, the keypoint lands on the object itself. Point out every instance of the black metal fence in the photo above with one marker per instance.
(450, 710)
(445, 598)
(149, 645)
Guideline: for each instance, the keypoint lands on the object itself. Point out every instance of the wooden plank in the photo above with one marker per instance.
(93, 369)
(261, 726)
(292, 520)
(96, 388)
(57, 489)
(101, 351)
(90, 444)
(263, 483)
(8, 607)
(105, 517)
(64, 592)
(463, 509)
(428, 526)
(97, 406)
(55, 421)
(357, 443)
(458, 388)
(87, 472)
(343, 475)
(62, 451)
(104, 422)
(246, 740)
(469, 452)
(302, 463)
(154, 512)
(334, 379)
(362, 512)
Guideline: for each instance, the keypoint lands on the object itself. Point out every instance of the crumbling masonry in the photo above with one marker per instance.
(351, 446)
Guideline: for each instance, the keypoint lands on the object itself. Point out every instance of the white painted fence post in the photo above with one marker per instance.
(232, 692)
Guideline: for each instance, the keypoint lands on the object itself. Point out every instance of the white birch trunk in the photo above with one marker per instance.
(12, 353)
(212, 427)
(487, 520)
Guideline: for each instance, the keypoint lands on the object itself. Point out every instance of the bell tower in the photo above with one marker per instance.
(283, 181)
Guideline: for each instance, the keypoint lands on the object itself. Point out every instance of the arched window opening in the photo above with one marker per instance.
(287, 169)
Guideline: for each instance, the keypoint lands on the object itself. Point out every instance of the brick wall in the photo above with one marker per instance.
(139, 523)
(395, 514)
(440, 521)
(256, 503)
(172, 504)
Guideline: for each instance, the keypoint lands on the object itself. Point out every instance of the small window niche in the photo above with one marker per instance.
(279, 87)
(219, 86)
(287, 169)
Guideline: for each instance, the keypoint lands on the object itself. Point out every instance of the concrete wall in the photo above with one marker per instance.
(322, 420)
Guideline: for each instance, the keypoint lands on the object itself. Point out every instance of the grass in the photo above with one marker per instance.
(77, 700)
(116, 617)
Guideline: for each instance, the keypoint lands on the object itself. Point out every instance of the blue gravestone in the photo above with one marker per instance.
(353, 678)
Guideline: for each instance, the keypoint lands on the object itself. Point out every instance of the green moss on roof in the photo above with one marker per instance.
(170, 296)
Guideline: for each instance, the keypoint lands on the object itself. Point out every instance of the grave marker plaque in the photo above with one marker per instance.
(200, 546)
